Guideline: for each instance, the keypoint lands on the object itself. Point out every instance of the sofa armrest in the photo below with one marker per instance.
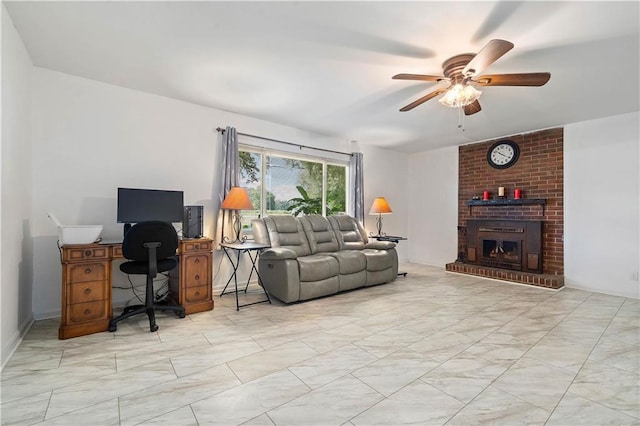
(380, 245)
(278, 253)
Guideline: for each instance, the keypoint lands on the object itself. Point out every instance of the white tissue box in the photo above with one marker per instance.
(81, 234)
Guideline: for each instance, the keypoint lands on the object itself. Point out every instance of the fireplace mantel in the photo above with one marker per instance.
(507, 202)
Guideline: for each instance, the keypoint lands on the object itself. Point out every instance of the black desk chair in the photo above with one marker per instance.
(150, 248)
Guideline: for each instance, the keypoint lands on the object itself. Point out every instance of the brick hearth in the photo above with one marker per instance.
(540, 280)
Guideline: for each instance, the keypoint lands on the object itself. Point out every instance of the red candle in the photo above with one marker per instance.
(518, 194)
(485, 195)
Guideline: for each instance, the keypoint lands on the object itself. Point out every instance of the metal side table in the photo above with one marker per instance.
(240, 248)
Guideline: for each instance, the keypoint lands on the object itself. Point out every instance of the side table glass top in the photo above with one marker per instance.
(245, 246)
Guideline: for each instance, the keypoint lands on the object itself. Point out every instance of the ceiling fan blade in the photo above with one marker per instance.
(423, 99)
(528, 79)
(472, 108)
(490, 53)
(418, 77)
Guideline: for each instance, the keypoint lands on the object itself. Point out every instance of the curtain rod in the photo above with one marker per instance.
(221, 130)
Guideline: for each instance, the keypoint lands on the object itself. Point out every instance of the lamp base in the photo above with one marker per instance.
(378, 227)
(372, 235)
(234, 241)
(237, 227)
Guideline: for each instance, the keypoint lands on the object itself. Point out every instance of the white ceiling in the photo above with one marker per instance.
(327, 66)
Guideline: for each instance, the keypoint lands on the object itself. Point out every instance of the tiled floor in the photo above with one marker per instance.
(433, 348)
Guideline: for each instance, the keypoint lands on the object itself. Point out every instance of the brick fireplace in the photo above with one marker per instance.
(538, 173)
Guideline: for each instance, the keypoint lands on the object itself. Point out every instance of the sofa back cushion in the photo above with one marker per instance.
(319, 233)
(286, 231)
(260, 233)
(350, 234)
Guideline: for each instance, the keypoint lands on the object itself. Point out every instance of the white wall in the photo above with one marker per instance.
(602, 196)
(91, 137)
(433, 206)
(386, 175)
(16, 248)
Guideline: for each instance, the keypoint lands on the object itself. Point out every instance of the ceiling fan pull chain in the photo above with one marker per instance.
(461, 118)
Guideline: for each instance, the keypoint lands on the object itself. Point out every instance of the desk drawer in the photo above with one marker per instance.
(79, 273)
(195, 246)
(90, 311)
(197, 270)
(87, 292)
(197, 294)
(87, 252)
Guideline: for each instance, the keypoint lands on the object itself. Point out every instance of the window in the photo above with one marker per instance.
(282, 183)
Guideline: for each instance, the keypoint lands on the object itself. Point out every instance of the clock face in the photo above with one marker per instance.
(503, 154)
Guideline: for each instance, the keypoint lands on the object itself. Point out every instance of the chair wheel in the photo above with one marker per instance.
(181, 314)
(112, 327)
(153, 328)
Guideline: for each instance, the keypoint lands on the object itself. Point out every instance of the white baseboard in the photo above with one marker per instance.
(47, 315)
(14, 342)
(632, 293)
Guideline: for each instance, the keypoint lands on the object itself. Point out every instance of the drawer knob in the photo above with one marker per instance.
(197, 260)
(87, 271)
(87, 291)
(197, 293)
(197, 277)
(87, 253)
(197, 246)
(87, 311)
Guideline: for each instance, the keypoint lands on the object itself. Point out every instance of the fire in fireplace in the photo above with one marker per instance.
(506, 244)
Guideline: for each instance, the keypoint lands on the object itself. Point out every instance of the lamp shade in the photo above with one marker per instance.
(380, 206)
(237, 199)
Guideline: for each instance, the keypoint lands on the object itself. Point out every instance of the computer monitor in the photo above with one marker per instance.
(139, 205)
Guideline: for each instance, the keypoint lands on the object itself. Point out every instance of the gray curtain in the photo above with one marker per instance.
(356, 177)
(230, 166)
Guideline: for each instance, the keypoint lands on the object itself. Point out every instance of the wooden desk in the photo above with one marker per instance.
(86, 283)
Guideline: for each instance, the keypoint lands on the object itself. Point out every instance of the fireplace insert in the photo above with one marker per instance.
(507, 244)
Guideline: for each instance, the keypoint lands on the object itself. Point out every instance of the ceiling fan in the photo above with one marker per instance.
(462, 74)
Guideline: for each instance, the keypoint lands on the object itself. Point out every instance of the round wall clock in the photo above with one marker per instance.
(503, 154)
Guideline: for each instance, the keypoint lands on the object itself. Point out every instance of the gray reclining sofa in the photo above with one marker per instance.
(313, 256)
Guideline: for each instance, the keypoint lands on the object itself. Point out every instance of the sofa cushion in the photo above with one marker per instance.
(377, 260)
(382, 245)
(319, 234)
(317, 267)
(348, 231)
(284, 223)
(350, 261)
(286, 231)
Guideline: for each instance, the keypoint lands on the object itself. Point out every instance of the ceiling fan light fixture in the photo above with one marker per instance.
(460, 95)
